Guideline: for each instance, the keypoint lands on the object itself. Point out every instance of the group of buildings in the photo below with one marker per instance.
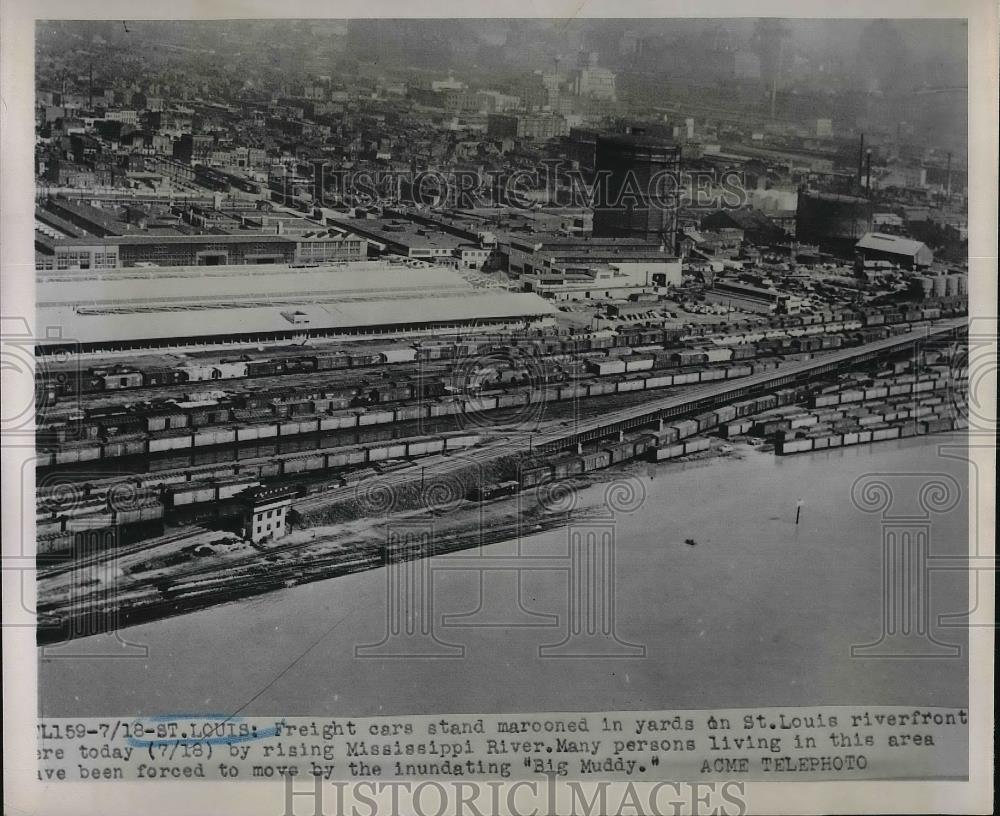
(140, 169)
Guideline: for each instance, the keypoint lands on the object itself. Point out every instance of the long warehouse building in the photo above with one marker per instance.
(161, 307)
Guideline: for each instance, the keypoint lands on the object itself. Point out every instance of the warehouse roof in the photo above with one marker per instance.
(160, 303)
(890, 243)
(119, 327)
(270, 283)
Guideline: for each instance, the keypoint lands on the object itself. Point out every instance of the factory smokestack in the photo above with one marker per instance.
(861, 159)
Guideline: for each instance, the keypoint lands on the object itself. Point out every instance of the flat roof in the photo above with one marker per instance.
(640, 140)
(151, 237)
(399, 231)
(122, 327)
(199, 286)
(561, 242)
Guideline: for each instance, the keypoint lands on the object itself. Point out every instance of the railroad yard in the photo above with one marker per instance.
(144, 461)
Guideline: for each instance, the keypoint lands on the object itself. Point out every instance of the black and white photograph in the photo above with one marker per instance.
(520, 397)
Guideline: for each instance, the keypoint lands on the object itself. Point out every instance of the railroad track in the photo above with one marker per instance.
(108, 555)
(312, 382)
(605, 423)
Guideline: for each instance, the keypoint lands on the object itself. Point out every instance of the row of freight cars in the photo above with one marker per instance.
(68, 382)
(222, 409)
(865, 436)
(536, 473)
(882, 388)
(569, 465)
(99, 530)
(148, 417)
(615, 361)
(141, 417)
(291, 464)
(786, 424)
(55, 384)
(172, 439)
(868, 416)
(221, 482)
(779, 326)
(215, 485)
(680, 438)
(854, 317)
(770, 340)
(263, 405)
(60, 528)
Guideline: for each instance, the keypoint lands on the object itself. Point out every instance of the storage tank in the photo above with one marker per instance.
(833, 222)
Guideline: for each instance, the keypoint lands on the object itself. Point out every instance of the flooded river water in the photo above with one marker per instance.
(718, 599)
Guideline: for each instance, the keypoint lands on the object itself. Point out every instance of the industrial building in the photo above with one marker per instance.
(323, 246)
(613, 281)
(161, 307)
(74, 235)
(540, 251)
(642, 186)
(902, 252)
(747, 298)
(402, 236)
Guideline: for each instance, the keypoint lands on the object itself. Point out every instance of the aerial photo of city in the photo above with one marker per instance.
(372, 342)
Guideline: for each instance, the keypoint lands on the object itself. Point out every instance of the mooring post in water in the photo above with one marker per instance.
(798, 510)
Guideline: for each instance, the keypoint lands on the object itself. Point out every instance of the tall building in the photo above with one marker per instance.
(526, 126)
(639, 180)
(595, 82)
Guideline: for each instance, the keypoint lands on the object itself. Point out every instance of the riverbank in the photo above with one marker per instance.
(200, 571)
(784, 602)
